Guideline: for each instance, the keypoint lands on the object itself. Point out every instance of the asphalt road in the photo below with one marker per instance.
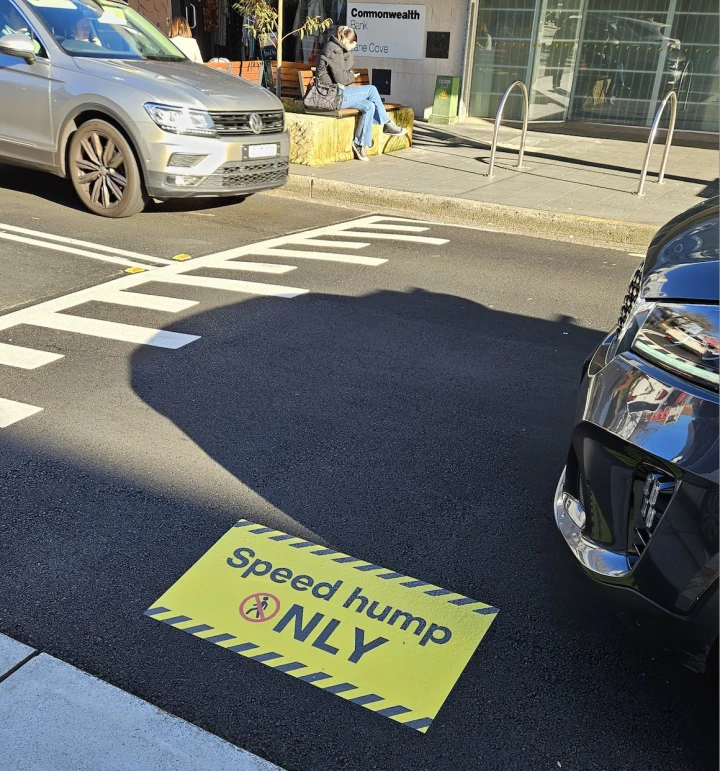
(414, 414)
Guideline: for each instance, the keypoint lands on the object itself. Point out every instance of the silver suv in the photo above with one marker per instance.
(91, 90)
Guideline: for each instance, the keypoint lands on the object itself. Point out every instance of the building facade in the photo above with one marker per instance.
(596, 61)
(589, 61)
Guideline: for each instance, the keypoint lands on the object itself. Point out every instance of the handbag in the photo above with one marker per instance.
(325, 97)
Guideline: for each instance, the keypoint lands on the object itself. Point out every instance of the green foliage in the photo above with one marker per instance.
(262, 20)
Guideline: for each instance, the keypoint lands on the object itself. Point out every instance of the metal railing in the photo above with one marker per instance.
(498, 120)
(672, 98)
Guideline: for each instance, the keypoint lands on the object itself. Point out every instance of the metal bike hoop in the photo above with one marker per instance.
(498, 120)
(672, 98)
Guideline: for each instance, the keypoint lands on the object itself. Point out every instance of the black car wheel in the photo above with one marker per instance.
(104, 171)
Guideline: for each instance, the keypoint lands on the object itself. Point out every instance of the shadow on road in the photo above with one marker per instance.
(418, 431)
(425, 433)
(40, 184)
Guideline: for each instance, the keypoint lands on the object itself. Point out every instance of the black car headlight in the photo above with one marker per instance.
(683, 338)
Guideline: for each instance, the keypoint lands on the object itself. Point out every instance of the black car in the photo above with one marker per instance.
(637, 502)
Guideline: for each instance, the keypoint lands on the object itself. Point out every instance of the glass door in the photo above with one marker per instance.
(694, 69)
(501, 55)
(625, 54)
(554, 58)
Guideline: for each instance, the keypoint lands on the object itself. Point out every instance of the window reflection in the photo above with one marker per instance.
(604, 61)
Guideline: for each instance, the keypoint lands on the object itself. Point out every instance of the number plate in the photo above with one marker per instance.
(262, 151)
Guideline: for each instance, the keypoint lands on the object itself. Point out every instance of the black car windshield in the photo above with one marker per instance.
(104, 30)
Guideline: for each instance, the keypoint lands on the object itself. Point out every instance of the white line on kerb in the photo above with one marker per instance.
(12, 412)
(77, 242)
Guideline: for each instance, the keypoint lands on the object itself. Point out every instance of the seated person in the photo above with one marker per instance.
(84, 32)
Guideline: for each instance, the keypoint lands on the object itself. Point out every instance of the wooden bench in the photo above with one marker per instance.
(222, 66)
(289, 79)
(251, 70)
(363, 79)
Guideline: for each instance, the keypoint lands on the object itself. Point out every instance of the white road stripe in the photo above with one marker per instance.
(77, 242)
(71, 250)
(395, 237)
(231, 285)
(320, 242)
(402, 228)
(353, 259)
(25, 358)
(111, 330)
(257, 267)
(151, 302)
(49, 314)
(11, 412)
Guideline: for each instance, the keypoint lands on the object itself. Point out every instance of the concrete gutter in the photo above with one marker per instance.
(557, 226)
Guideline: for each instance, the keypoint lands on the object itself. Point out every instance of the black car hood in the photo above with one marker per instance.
(682, 261)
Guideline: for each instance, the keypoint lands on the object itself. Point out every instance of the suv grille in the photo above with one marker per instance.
(630, 298)
(247, 174)
(652, 493)
(238, 123)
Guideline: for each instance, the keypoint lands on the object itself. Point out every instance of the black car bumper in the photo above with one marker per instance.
(638, 501)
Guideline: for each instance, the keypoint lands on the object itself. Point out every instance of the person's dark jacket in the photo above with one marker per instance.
(335, 64)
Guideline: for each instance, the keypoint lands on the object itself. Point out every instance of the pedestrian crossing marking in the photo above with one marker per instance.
(352, 259)
(400, 228)
(325, 242)
(396, 237)
(151, 302)
(25, 358)
(112, 330)
(13, 412)
(232, 285)
(50, 313)
(254, 267)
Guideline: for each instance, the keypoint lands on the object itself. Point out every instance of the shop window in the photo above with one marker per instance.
(308, 48)
(604, 61)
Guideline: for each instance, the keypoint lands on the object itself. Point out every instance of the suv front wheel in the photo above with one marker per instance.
(104, 171)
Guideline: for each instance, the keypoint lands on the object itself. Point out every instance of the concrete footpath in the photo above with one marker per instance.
(58, 718)
(572, 188)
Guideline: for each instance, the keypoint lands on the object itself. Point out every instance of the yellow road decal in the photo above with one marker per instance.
(377, 638)
(181, 257)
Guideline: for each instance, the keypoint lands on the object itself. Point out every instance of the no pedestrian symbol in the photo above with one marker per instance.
(259, 607)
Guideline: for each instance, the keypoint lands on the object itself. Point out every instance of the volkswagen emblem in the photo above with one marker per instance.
(255, 123)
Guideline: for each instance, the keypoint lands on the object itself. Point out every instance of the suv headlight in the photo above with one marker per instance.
(182, 120)
(682, 338)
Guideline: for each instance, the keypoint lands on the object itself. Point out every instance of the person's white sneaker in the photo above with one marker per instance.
(359, 152)
(394, 129)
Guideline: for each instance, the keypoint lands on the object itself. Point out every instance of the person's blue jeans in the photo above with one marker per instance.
(367, 100)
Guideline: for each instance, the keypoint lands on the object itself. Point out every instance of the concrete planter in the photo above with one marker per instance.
(318, 140)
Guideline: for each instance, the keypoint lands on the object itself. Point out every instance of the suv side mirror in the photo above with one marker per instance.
(21, 46)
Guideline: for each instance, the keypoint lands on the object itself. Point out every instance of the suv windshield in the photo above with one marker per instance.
(104, 30)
